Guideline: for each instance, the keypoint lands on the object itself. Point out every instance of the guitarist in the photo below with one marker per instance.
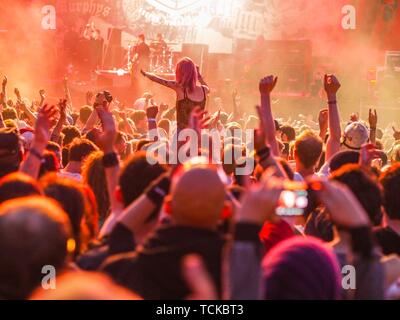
(140, 55)
(140, 60)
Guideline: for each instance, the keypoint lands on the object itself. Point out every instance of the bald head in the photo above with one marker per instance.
(198, 198)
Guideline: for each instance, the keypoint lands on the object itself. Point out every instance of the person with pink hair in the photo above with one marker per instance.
(190, 87)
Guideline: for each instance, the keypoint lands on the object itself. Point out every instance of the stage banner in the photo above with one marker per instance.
(220, 23)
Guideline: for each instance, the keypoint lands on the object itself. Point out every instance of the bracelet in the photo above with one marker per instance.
(158, 190)
(372, 128)
(152, 120)
(36, 153)
(332, 102)
(110, 160)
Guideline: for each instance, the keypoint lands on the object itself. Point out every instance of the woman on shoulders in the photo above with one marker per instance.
(191, 90)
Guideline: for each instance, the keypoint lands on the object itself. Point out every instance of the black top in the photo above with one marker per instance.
(120, 240)
(388, 240)
(154, 270)
(143, 52)
(185, 106)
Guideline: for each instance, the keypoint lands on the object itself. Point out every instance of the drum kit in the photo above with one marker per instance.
(161, 57)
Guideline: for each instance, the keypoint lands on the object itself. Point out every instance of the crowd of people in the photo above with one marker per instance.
(81, 194)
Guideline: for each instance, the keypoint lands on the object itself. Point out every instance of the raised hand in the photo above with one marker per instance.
(372, 119)
(4, 82)
(396, 134)
(267, 84)
(62, 109)
(331, 85)
(42, 94)
(43, 125)
(108, 135)
(18, 94)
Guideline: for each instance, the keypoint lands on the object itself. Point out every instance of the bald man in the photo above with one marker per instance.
(195, 205)
(197, 198)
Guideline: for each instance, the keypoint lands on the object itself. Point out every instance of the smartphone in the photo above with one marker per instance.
(293, 200)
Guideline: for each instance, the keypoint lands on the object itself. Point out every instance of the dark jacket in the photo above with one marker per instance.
(154, 270)
(120, 240)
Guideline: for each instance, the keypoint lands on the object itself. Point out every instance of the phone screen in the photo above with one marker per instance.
(292, 203)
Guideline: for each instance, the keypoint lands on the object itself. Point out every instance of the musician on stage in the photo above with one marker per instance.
(160, 42)
(140, 55)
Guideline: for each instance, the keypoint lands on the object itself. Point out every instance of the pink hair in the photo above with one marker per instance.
(186, 74)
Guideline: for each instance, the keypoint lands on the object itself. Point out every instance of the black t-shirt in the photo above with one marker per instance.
(154, 271)
(120, 240)
(388, 240)
(143, 50)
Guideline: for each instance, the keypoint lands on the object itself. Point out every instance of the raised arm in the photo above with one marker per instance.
(31, 116)
(1, 121)
(110, 162)
(33, 161)
(3, 101)
(91, 122)
(167, 83)
(373, 122)
(127, 126)
(136, 215)
(62, 110)
(323, 119)
(258, 206)
(266, 86)
(42, 95)
(67, 92)
(332, 85)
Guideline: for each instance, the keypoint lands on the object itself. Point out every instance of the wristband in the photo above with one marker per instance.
(37, 154)
(332, 102)
(157, 191)
(372, 128)
(110, 160)
(151, 120)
